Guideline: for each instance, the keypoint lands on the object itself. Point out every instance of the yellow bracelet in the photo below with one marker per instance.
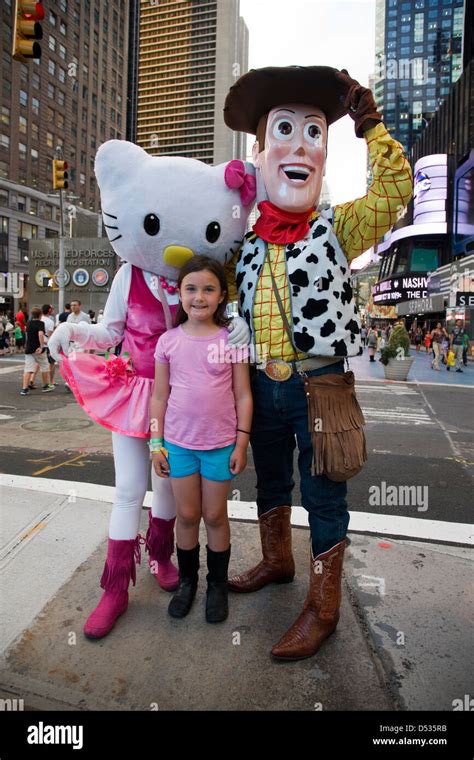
(161, 450)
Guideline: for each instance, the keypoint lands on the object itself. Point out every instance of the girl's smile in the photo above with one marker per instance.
(200, 295)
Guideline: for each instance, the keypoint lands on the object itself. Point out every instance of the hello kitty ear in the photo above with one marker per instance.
(115, 161)
(240, 174)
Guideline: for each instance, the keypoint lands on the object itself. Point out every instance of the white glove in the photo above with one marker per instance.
(60, 340)
(239, 333)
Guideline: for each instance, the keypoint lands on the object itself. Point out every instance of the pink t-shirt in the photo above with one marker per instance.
(201, 406)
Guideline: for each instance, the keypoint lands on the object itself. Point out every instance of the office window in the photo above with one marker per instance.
(23, 98)
(34, 159)
(61, 98)
(23, 124)
(6, 116)
(63, 5)
(51, 91)
(52, 42)
(22, 151)
(4, 141)
(63, 28)
(24, 73)
(21, 202)
(4, 201)
(61, 75)
(62, 52)
(52, 18)
(35, 105)
(3, 168)
(34, 131)
(50, 139)
(35, 80)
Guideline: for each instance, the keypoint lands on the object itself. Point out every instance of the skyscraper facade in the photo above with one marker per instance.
(190, 53)
(418, 56)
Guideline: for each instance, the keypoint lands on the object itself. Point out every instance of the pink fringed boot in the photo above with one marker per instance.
(118, 570)
(160, 546)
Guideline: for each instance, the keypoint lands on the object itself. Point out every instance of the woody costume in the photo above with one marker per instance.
(292, 281)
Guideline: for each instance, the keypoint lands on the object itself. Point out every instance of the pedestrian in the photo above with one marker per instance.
(100, 316)
(92, 317)
(64, 314)
(35, 353)
(465, 348)
(19, 339)
(363, 335)
(372, 343)
(427, 341)
(49, 325)
(77, 315)
(203, 429)
(418, 338)
(437, 336)
(456, 343)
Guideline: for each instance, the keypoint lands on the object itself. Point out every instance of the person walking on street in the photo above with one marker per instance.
(418, 338)
(363, 335)
(457, 343)
(64, 314)
(437, 336)
(465, 348)
(48, 319)
(372, 343)
(35, 353)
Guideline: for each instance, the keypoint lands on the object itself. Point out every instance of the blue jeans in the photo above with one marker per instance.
(280, 420)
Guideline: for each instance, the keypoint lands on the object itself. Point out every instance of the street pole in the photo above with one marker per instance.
(62, 257)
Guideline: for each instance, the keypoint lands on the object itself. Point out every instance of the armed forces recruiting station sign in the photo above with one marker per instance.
(90, 265)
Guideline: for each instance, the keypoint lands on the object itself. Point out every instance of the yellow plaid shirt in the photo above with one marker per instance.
(358, 225)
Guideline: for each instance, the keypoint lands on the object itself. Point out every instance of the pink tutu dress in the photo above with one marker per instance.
(115, 390)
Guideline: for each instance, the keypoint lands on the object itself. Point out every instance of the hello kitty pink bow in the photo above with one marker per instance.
(236, 176)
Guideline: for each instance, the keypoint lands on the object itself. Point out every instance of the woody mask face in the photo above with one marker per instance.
(293, 159)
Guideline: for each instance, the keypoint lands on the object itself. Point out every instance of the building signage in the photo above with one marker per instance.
(428, 305)
(465, 299)
(90, 265)
(398, 289)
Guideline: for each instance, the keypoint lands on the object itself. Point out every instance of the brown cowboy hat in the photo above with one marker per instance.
(260, 90)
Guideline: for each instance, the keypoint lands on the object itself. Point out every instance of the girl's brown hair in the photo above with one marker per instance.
(205, 264)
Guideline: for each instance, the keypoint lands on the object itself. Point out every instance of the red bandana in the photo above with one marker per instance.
(277, 226)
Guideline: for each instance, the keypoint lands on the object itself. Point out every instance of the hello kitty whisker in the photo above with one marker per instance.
(106, 214)
(109, 227)
(115, 238)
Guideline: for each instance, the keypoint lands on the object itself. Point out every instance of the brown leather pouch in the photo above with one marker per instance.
(335, 422)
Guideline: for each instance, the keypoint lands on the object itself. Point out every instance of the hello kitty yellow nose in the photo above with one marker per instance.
(177, 255)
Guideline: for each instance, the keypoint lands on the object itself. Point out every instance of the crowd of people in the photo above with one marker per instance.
(447, 347)
(28, 333)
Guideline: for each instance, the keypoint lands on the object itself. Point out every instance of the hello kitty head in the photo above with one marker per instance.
(160, 211)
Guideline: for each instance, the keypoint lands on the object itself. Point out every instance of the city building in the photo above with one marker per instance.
(190, 53)
(73, 98)
(418, 57)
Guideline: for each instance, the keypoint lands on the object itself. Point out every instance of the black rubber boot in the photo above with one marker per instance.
(188, 562)
(217, 608)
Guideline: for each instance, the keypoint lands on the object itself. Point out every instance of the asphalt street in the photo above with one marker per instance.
(417, 435)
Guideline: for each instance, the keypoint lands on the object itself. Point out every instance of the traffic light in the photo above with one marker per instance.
(27, 30)
(60, 175)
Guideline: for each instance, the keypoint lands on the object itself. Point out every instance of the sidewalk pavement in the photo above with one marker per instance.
(404, 641)
(420, 371)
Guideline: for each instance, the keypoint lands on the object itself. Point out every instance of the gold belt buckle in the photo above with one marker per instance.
(277, 369)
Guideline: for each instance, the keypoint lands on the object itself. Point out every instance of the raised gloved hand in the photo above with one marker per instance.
(239, 333)
(60, 340)
(359, 102)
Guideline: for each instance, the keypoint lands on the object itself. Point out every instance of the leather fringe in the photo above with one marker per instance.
(335, 421)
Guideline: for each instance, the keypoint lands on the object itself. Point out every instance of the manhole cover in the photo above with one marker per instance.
(57, 425)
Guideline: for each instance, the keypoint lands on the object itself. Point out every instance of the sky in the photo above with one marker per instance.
(320, 32)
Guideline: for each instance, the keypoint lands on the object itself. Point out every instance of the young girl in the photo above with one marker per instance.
(201, 412)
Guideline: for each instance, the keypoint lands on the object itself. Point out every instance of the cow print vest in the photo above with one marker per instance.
(325, 320)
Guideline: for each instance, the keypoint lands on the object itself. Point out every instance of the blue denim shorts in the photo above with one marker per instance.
(212, 464)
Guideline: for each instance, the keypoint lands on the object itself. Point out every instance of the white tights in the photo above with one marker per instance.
(132, 468)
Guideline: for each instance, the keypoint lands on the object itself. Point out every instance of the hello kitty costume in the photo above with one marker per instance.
(158, 212)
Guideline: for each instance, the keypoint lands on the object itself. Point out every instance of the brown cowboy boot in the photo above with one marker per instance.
(320, 613)
(277, 565)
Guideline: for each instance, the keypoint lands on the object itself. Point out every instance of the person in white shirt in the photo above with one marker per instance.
(49, 325)
(76, 316)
